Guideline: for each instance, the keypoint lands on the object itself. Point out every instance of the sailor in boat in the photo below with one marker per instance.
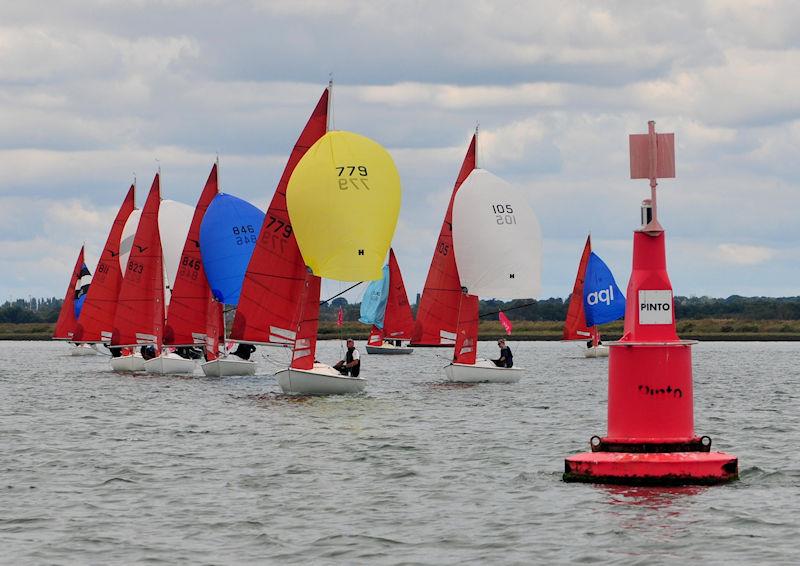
(116, 351)
(351, 364)
(590, 343)
(243, 350)
(506, 359)
(148, 352)
(189, 352)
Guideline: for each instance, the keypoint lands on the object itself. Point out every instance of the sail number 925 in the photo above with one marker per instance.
(504, 214)
(352, 177)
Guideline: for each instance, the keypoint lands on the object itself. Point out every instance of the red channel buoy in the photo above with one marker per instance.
(651, 438)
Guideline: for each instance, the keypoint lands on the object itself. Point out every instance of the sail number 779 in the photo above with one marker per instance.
(504, 214)
(352, 177)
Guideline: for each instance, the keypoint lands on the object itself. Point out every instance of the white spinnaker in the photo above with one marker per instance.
(496, 238)
(174, 221)
(126, 241)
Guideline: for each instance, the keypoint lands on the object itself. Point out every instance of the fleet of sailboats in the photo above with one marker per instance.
(168, 271)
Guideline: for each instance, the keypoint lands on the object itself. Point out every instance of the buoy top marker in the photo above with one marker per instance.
(652, 157)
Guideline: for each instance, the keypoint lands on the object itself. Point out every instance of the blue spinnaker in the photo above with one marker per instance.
(602, 300)
(228, 237)
(373, 304)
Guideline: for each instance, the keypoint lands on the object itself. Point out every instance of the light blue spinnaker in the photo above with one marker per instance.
(602, 300)
(228, 237)
(373, 304)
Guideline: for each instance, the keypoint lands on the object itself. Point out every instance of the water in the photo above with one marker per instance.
(100, 468)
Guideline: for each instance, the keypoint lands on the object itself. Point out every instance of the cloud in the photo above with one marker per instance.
(739, 254)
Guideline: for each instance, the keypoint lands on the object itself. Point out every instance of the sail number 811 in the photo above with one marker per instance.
(352, 176)
(504, 214)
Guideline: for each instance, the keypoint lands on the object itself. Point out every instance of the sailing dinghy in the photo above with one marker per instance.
(228, 236)
(74, 298)
(97, 314)
(497, 245)
(385, 306)
(596, 299)
(437, 312)
(192, 314)
(139, 316)
(343, 200)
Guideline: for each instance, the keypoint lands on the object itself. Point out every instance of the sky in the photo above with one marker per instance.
(97, 91)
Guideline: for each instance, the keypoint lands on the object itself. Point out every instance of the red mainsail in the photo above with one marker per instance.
(306, 323)
(437, 314)
(276, 275)
(97, 314)
(140, 308)
(192, 307)
(65, 325)
(575, 326)
(398, 322)
(466, 347)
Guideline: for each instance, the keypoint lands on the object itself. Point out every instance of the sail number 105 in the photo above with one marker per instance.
(504, 214)
(352, 176)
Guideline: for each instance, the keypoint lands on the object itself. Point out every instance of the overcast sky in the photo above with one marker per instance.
(93, 91)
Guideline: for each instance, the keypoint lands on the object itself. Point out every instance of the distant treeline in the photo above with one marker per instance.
(553, 309)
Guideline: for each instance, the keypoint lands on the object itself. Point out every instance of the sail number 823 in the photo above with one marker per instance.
(504, 214)
(352, 177)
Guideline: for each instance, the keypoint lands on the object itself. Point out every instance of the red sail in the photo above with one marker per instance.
(398, 322)
(375, 336)
(192, 305)
(65, 325)
(214, 333)
(276, 274)
(437, 314)
(575, 326)
(97, 314)
(306, 323)
(140, 308)
(467, 333)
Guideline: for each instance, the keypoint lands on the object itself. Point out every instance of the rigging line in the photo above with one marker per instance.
(507, 310)
(340, 294)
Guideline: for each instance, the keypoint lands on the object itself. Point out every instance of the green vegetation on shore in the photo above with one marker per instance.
(698, 329)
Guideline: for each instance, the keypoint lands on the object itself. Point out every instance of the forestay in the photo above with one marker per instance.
(343, 201)
(497, 239)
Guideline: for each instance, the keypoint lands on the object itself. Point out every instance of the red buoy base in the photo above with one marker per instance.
(653, 468)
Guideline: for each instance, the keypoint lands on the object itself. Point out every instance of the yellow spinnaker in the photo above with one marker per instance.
(344, 200)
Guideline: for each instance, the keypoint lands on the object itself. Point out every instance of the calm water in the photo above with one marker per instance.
(104, 468)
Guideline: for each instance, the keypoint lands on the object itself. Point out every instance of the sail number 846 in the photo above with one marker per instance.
(504, 214)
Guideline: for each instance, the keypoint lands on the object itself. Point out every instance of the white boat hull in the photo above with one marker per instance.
(484, 371)
(229, 365)
(168, 364)
(387, 348)
(322, 380)
(83, 350)
(134, 362)
(596, 352)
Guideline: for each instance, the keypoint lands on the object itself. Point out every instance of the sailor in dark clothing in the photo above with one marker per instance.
(189, 352)
(115, 351)
(351, 364)
(148, 352)
(506, 359)
(243, 350)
